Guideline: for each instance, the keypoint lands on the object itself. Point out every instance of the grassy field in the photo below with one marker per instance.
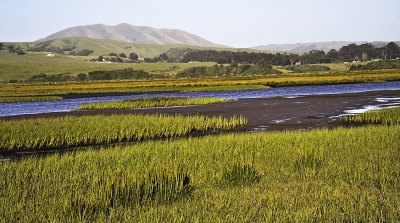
(341, 175)
(20, 67)
(152, 102)
(69, 131)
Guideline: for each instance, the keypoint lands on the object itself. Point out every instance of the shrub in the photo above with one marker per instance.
(307, 68)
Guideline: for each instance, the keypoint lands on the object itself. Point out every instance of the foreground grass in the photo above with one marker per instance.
(152, 102)
(29, 99)
(383, 116)
(30, 134)
(342, 175)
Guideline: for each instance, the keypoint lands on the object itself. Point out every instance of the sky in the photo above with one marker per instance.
(236, 23)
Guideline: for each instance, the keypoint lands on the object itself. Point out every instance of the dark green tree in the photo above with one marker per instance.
(10, 48)
(133, 56)
(82, 77)
(392, 50)
(333, 54)
(123, 55)
(1, 46)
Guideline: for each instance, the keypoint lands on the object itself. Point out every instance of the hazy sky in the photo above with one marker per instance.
(239, 23)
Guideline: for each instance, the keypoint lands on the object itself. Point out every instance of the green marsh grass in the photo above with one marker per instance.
(237, 87)
(152, 102)
(239, 175)
(69, 131)
(358, 180)
(130, 190)
(29, 99)
(389, 116)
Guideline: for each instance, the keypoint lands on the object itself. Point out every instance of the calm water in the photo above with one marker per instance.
(10, 109)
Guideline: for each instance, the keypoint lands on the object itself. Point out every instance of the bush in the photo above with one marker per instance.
(50, 78)
(307, 68)
(128, 73)
(232, 70)
(378, 65)
(82, 77)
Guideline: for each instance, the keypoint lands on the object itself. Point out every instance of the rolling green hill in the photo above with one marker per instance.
(100, 47)
(104, 47)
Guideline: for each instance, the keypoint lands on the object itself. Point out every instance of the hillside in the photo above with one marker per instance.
(133, 34)
(99, 47)
(104, 47)
(305, 47)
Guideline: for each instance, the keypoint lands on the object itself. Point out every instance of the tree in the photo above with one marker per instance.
(133, 56)
(333, 54)
(19, 52)
(1, 46)
(100, 59)
(392, 50)
(314, 56)
(10, 48)
(163, 56)
(82, 77)
(123, 55)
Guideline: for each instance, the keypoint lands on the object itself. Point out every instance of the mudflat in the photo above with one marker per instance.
(263, 114)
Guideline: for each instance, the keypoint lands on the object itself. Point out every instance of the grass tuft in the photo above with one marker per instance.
(388, 116)
(239, 175)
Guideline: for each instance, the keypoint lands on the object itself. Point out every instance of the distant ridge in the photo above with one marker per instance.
(306, 47)
(133, 34)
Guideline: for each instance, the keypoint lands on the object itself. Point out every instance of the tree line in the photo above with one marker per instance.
(100, 75)
(351, 52)
(227, 71)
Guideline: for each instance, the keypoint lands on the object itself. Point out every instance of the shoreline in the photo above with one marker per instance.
(300, 112)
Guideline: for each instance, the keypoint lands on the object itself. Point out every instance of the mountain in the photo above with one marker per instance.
(305, 47)
(133, 34)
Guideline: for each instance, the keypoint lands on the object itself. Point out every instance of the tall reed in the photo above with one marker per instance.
(152, 102)
(45, 133)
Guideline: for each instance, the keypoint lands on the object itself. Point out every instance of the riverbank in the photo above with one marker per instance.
(267, 114)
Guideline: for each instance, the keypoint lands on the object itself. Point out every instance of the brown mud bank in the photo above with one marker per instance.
(274, 113)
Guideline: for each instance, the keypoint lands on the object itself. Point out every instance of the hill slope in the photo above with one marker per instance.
(133, 34)
(104, 47)
(305, 47)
